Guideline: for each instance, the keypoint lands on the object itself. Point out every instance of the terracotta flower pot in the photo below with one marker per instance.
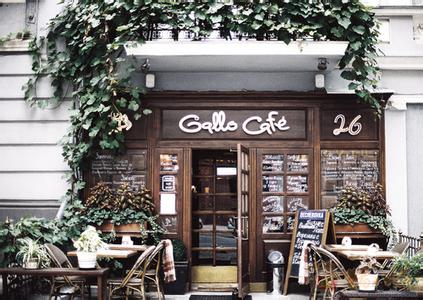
(367, 282)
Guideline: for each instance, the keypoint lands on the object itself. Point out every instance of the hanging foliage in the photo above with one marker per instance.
(85, 49)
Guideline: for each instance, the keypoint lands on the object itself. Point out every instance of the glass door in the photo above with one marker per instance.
(214, 210)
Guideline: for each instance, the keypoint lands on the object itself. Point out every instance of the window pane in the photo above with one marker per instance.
(204, 222)
(272, 163)
(202, 239)
(297, 162)
(273, 183)
(202, 202)
(294, 203)
(226, 184)
(273, 224)
(273, 204)
(297, 184)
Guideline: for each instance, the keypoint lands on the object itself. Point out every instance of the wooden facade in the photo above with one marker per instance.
(323, 142)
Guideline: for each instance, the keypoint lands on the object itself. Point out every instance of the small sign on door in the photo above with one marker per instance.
(168, 183)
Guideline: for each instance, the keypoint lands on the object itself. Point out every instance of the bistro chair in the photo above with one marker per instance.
(328, 274)
(132, 282)
(152, 274)
(66, 285)
(401, 249)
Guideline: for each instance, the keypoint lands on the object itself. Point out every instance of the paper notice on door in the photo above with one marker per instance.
(167, 204)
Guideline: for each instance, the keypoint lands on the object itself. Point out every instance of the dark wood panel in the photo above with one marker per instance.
(234, 124)
(342, 124)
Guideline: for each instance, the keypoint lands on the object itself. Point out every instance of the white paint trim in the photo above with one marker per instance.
(413, 63)
(390, 11)
(396, 167)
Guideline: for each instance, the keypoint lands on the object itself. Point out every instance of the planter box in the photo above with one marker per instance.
(178, 287)
(360, 229)
(132, 229)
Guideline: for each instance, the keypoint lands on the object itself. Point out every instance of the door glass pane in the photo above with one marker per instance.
(226, 184)
(225, 223)
(225, 239)
(297, 184)
(297, 162)
(204, 222)
(272, 163)
(169, 162)
(202, 202)
(273, 183)
(202, 257)
(202, 239)
(273, 204)
(273, 224)
(228, 203)
(226, 258)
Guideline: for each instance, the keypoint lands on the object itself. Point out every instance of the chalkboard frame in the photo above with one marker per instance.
(328, 231)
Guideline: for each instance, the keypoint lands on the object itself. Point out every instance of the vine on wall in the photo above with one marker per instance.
(85, 47)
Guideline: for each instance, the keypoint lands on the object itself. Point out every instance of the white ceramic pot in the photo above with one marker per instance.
(367, 282)
(86, 260)
(31, 264)
(418, 286)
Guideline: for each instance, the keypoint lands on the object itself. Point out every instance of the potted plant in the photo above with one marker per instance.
(124, 211)
(409, 271)
(87, 245)
(179, 286)
(366, 272)
(32, 255)
(362, 211)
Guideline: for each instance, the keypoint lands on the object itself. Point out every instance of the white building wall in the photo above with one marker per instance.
(31, 165)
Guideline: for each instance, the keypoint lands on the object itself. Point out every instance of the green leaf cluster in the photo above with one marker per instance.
(86, 63)
(408, 268)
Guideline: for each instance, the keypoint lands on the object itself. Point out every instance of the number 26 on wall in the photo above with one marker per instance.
(353, 129)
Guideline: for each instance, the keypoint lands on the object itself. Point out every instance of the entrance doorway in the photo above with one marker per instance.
(214, 219)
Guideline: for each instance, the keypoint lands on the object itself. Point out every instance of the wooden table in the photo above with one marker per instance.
(339, 247)
(139, 248)
(359, 254)
(110, 253)
(101, 275)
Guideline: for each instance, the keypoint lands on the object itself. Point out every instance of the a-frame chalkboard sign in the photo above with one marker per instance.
(310, 225)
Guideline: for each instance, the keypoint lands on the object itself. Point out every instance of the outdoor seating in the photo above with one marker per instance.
(152, 274)
(64, 285)
(132, 282)
(328, 274)
(400, 248)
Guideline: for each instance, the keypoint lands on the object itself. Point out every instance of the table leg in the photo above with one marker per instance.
(101, 287)
(5, 291)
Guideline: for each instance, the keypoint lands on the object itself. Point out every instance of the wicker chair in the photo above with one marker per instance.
(152, 274)
(132, 282)
(64, 285)
(328, 274)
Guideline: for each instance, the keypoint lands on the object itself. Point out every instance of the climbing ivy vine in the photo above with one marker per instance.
(86, 58)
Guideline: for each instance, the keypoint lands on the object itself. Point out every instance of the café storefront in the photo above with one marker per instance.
(228, 170)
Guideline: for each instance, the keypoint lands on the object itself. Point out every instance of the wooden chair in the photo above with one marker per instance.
(132, 282)
(328, 274)
(401, 249)
(66, 285)
(152, 274)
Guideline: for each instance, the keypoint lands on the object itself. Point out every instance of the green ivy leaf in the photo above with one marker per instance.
(359, 29)
(134, 106)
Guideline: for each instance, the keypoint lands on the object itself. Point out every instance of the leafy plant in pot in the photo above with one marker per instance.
(31, 254)
(409, 271)
(367, 274)
(363, 206)
(178, 287)
(87, 245)
(124, 211)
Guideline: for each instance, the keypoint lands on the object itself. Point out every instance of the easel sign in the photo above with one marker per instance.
(310, 225)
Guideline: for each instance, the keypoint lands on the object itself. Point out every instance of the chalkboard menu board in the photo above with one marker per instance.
(272, 183)
(272, 162)
(114, 170)
(311, 226)
(340, 168)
